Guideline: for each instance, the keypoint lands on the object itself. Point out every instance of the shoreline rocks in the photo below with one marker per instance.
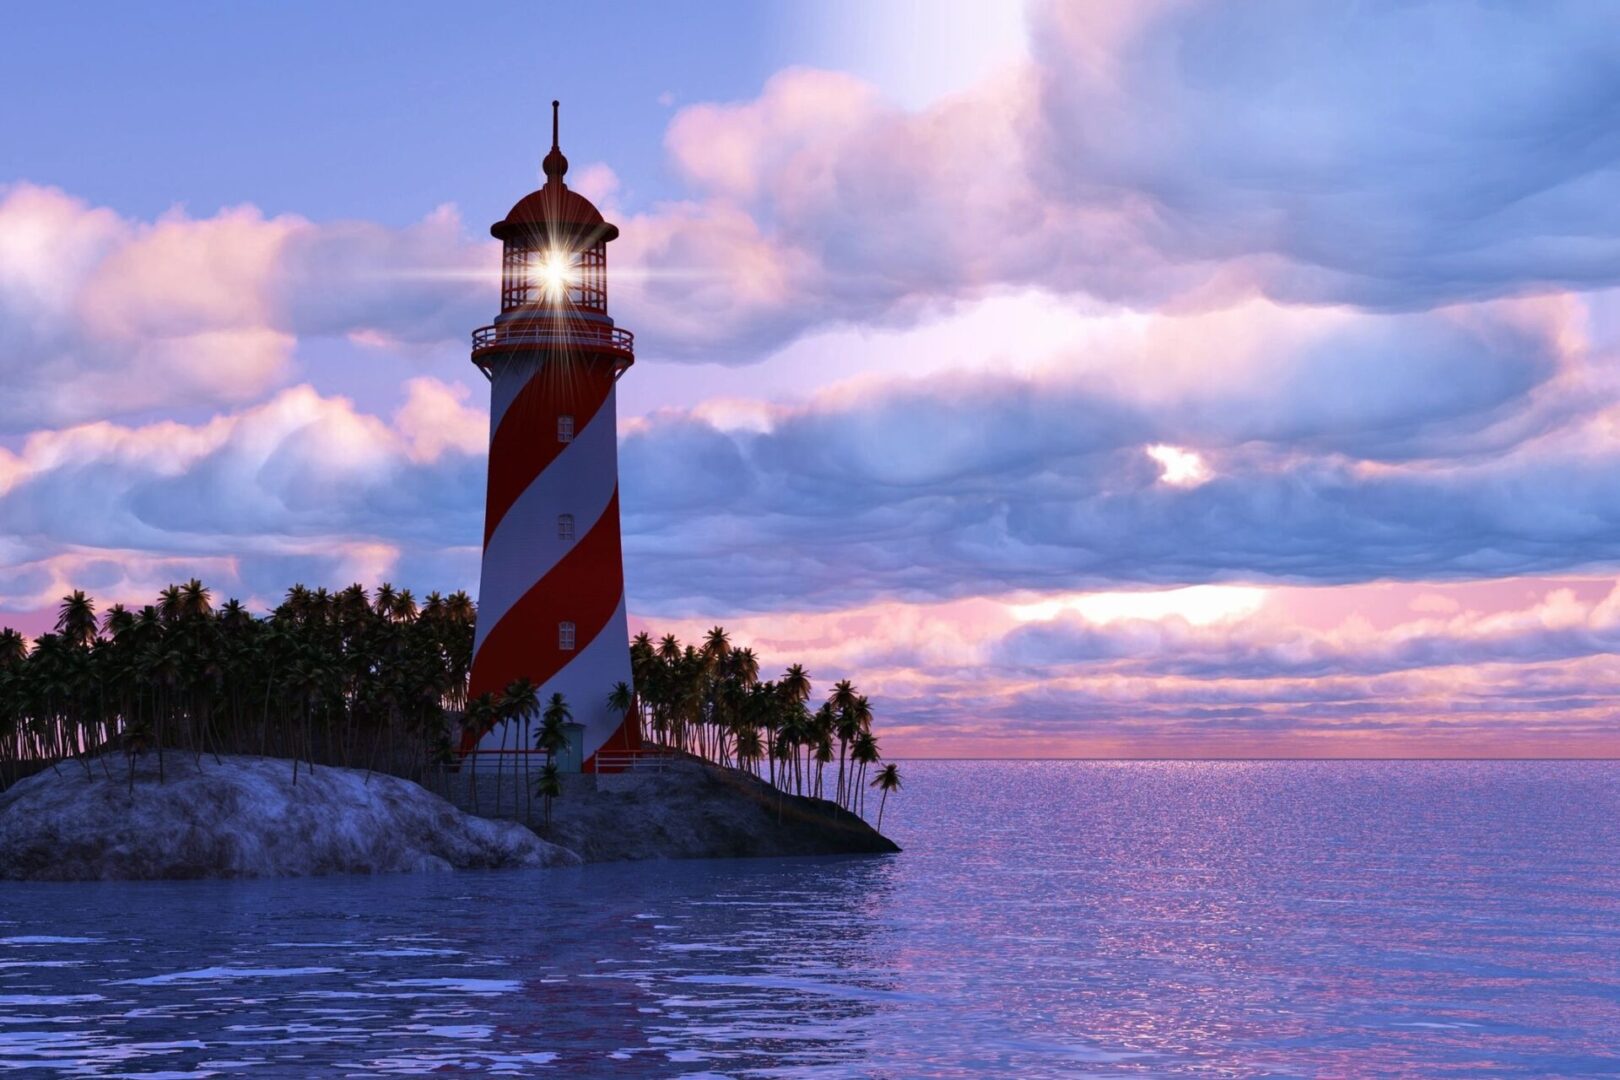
(243, 817)
(696, 810)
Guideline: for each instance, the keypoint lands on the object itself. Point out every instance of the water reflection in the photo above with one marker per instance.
(1046, 919)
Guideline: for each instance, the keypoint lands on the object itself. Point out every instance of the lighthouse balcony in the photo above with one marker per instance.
(581, 337)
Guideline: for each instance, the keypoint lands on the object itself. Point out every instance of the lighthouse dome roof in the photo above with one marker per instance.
(555, 208)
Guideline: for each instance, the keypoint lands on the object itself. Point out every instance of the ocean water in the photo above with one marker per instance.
(1047, 919)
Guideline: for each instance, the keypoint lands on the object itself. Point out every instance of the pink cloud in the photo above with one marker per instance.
(1527, 669)
(436, 418)
(1131, 158)
(300, 481)
(102, 316)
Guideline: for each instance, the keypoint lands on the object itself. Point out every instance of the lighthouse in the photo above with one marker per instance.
(551, 590)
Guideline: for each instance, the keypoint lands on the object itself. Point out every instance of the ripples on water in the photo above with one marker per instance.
(1047, 919)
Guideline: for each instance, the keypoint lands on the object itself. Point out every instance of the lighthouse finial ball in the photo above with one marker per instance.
(555, 164)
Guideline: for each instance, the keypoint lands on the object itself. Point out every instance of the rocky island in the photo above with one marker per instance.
(195, 715)
(694, 809)
(243, 817)
(240, 816)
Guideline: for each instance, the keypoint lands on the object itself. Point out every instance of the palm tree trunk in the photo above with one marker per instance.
(500, 770)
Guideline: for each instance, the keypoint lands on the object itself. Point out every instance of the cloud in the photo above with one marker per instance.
(1389, 155)
(301, 486)
(819, 204)
(101, 316)
(1557, 627)
(436, 419)
(1326, 463)
(973, 677)
(1189, 155)
(426, 282)
(1178, 467)
(1183, 156)
(1329, 459)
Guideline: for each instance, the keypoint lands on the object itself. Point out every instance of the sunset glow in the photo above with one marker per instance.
(980, 364)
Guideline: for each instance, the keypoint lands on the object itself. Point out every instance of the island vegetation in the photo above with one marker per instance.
(708, 699)
(379, 681)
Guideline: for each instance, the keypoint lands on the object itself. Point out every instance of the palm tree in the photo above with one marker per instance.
(521, 703)
(76, 620)
(745, 666)
(823, 754)
(460, 609)
(717, 643)
(550, 787)
(552, 738)
(622, 700)
(864, 753)
(232, 615)
(842, 700)
(478, 720)
(886, 780)
(796, 683)
(750, 747)
(194, 599)
(383, 600)
(169, 603)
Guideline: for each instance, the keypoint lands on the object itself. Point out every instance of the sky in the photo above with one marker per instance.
(1171, 379)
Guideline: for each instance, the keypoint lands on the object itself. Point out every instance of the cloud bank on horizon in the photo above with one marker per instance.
(1213, 379)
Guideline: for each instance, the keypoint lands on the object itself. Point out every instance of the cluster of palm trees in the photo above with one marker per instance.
(513, 711)
(380, 681)
(348, 678)
(709, 700)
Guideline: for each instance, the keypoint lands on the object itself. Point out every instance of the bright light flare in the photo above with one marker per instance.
(554, 272)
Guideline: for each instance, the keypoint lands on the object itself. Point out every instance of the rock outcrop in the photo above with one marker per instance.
(695, 810)
(243, 817)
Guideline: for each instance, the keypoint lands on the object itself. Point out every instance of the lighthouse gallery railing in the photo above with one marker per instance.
(587, 335)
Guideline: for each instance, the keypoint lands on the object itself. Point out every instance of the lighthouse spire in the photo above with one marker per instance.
(555, 164)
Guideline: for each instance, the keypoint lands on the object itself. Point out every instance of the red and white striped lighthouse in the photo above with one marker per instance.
(551, 594)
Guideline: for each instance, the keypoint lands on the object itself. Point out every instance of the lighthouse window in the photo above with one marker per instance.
(565, 428)
(565, 636)
(565, 527)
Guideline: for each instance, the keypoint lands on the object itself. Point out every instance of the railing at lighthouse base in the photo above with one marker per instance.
(498, 783)
(645, 760)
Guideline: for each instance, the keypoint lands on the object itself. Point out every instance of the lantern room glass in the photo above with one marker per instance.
(538, 271)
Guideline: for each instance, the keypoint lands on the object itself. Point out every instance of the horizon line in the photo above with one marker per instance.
(1252, 759)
